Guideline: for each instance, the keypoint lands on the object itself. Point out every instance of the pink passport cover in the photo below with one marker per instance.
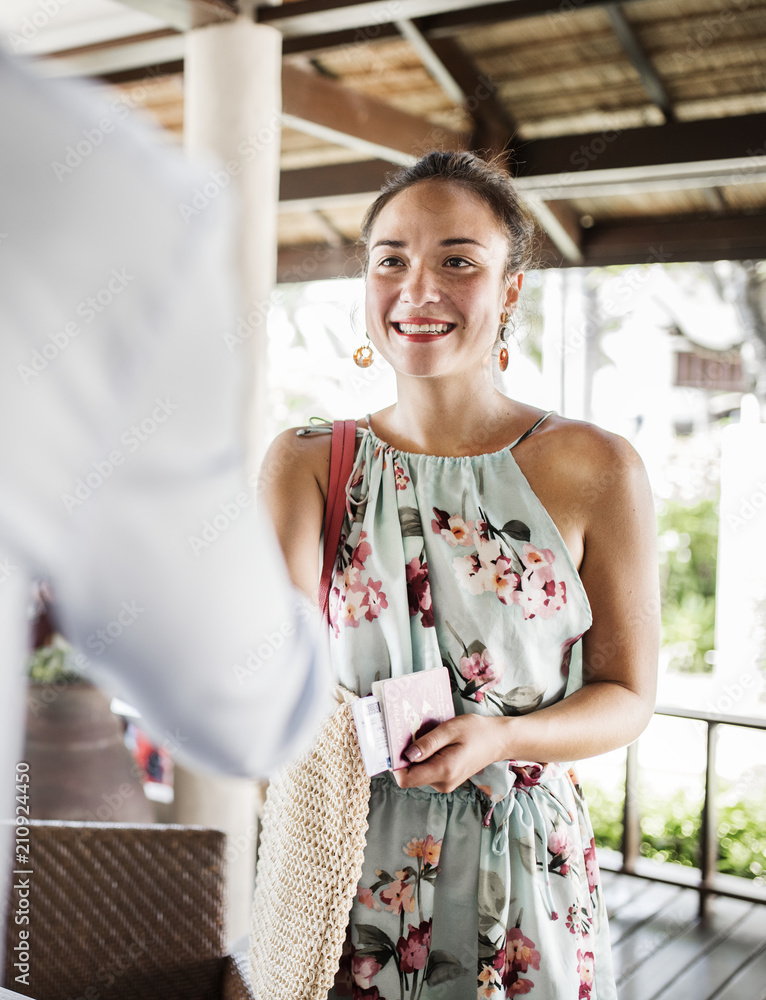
(414, 704)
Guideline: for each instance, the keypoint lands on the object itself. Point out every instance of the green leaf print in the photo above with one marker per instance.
(492, 899)
(520, 700)
(517, 530)
(442, 968)
(409, 519)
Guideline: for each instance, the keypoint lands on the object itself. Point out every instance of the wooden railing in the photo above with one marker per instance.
(706, 879)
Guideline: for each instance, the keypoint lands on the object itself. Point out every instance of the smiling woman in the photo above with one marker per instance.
(475, 539)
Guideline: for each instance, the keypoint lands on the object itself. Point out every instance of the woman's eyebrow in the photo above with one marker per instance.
(457, 240)
(453, 241)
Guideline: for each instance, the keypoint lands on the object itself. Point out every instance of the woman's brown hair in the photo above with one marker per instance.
(488, 181)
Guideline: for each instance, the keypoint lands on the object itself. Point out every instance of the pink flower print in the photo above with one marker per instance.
(454, 530)
(351, 609)
(414, 848)
(504, 581)
(539, 562)
(398, 897)
(566, 653)
(374, 599)
(413, 950)
(528, 774)
(481, 667)
(360, 553)
(520, 952)
(574, 923)
(419, 591)
(432, 851)
(557, 598)
(401, 478)
(471, 574)
(363, 969)
(367, 897)
(560, 847)
(591, 865)
(586, 968)
(491, 979)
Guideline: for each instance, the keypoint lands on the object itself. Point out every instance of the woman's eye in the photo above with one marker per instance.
(457, 262)
(389, 262)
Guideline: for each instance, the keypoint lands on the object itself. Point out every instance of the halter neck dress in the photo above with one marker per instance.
(491, 890)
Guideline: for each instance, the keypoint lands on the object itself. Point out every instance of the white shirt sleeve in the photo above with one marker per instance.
(124, 477)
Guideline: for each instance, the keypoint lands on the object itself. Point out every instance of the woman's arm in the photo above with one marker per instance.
(620, 650)
(293, 483)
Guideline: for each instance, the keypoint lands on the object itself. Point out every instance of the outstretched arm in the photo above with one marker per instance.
(616, 701)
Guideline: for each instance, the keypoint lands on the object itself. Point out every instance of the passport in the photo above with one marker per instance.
(399, 710)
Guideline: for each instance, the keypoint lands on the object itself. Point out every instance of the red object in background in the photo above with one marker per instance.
(156, 763)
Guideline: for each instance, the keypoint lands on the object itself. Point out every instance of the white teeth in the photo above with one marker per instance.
(424, 327)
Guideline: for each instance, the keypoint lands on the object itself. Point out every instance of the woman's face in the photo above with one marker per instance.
(436, 288)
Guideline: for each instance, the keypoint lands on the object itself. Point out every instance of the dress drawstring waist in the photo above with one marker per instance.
(498, 816)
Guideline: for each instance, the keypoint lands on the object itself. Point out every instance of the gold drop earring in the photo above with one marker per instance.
(363, 355)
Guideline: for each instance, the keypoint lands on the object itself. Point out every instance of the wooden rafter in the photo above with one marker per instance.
(320, 24)
(315, 102)
(641, 62)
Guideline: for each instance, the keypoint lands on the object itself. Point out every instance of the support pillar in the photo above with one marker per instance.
(232, 118)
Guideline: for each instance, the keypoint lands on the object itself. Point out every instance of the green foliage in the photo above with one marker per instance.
(670, 829)
(688, 544)
(54, 662)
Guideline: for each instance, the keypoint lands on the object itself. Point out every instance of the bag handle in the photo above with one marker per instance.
(342, 447)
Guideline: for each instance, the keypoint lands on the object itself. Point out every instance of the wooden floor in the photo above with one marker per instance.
(663, 951)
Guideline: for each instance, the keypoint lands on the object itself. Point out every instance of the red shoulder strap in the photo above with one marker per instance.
(342, 449)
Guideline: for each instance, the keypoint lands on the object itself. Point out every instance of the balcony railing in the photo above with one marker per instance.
(706, 879)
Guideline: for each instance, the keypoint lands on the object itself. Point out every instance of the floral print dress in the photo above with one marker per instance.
(491, 890)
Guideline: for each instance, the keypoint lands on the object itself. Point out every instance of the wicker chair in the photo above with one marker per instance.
(123, 912)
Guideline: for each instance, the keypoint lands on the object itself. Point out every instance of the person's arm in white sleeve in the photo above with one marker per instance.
(130, 438)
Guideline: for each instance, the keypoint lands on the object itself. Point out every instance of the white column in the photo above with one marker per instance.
(232, 113)
(232, 81)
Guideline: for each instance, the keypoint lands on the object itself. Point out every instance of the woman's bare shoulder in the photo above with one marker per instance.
(597, 460)
(293, 457)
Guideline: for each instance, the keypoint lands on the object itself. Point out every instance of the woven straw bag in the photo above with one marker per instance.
(314, 826)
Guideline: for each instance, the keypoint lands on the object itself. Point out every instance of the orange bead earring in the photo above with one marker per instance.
(363, 356)
(502, 357)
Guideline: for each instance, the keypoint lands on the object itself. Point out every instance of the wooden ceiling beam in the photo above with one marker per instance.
(719, 237)
(317, 262)
(311, 17)
(494, 127)
(186, 14)
(634, 50)
(318, 187)
(313, 25)
(322, 107)
(706, 141)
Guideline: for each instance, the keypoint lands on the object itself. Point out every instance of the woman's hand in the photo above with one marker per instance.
(455, 750)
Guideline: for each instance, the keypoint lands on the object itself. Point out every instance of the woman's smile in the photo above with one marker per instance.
(422, 329)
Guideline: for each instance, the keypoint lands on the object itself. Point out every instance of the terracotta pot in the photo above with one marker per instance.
(79, 766)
